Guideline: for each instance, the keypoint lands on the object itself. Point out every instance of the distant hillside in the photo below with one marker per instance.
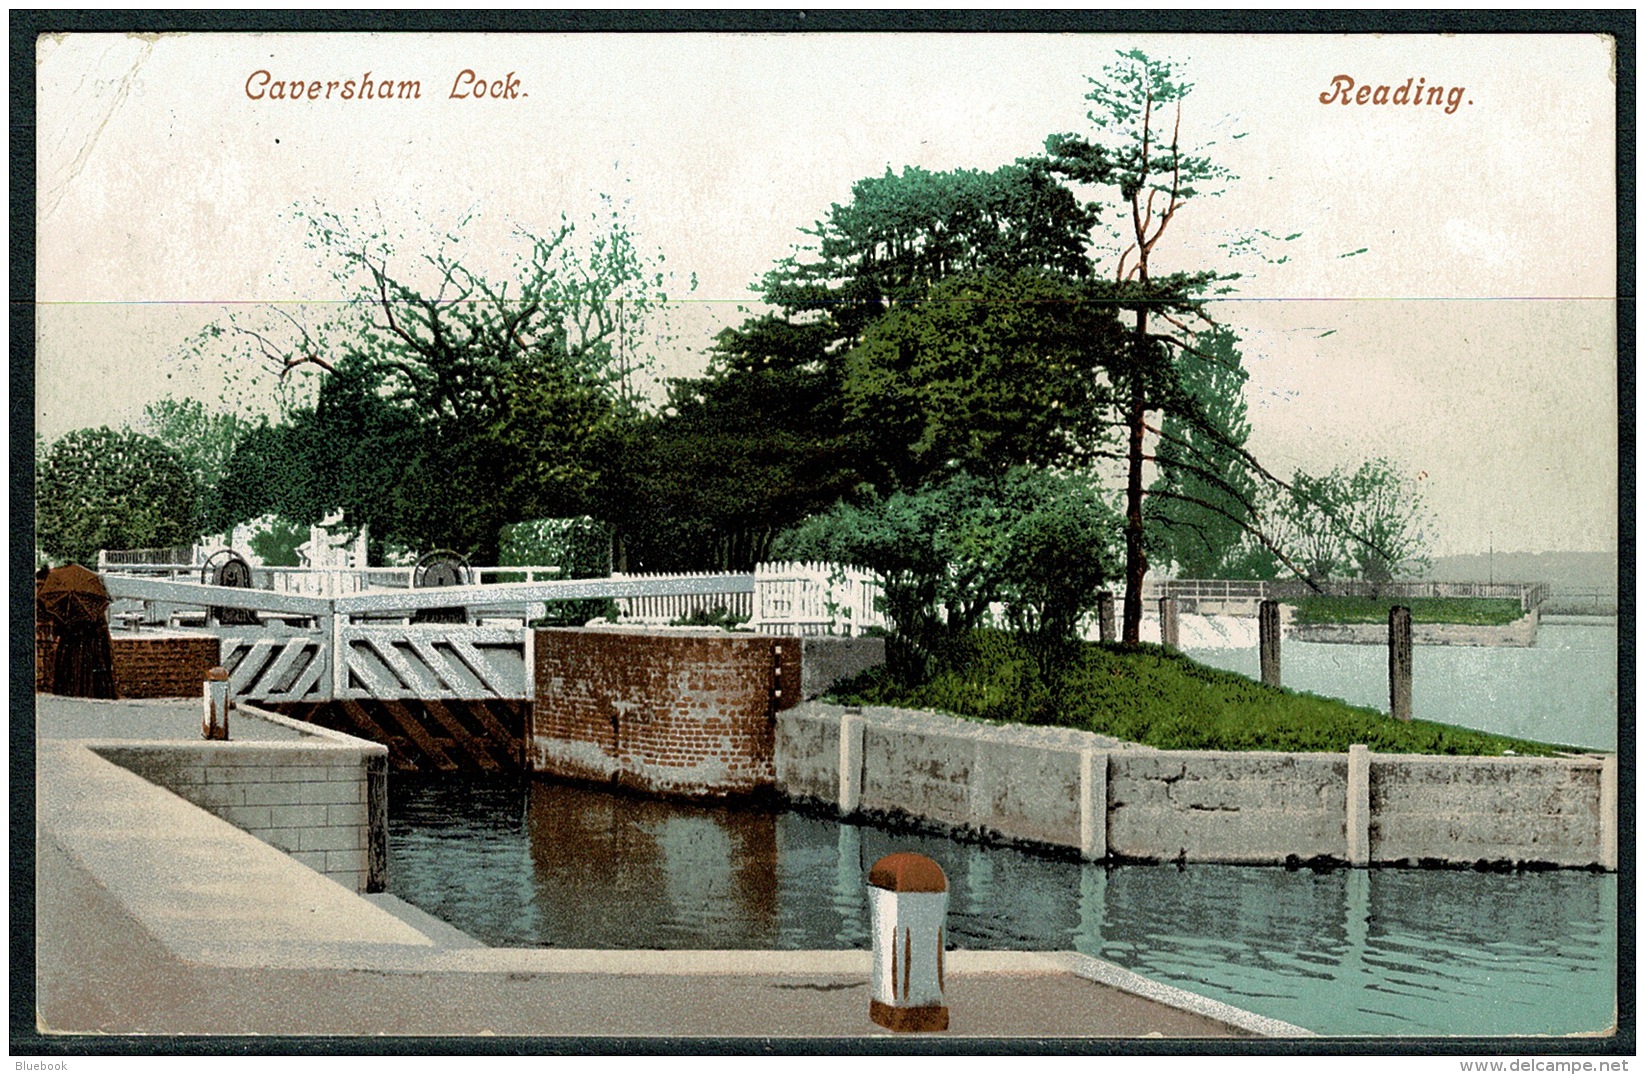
(1562, 570)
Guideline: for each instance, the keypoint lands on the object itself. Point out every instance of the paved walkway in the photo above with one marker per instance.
(160, 718)
(157, 917)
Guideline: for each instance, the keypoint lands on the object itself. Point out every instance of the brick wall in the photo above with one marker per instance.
(678, 712)
(161, 666)
(313, 800)
(145, 665)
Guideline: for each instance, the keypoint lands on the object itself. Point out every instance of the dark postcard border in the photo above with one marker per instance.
(26, 26)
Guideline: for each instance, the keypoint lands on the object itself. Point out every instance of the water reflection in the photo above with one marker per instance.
(1345, 951)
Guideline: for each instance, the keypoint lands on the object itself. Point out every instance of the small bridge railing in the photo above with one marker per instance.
(1529, 594)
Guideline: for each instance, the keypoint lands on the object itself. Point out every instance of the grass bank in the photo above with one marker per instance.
(1483, 611)
(1160, 698)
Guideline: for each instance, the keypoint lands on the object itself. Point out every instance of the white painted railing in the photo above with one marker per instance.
(657, 608)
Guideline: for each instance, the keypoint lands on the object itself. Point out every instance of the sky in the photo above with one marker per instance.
(1449, 303)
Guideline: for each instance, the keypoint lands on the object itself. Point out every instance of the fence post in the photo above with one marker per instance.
(1399, 662)
(1105, 615)
(1268, 637)
(1168, 622)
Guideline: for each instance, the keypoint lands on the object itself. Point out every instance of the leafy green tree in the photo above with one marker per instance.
(1387, 517)
(706, 484)
(1371, 522)
(988, 372)
(1203, 503)
(1059, 554)
(1306, 524)
(202, 440)
(1136, 148)
(950, 550)
(734, 457)
(102, 489)
(450, 404)
(902, 234)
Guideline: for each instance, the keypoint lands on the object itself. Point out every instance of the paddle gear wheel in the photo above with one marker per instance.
(225, 567)
(441, 567)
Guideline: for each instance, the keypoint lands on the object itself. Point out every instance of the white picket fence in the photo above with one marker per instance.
(666, 608)
(787, 599)
(815, 599)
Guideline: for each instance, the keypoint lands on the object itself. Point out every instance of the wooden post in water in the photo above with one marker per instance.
(1105, 614)
(1168, 622)
(1399, 662)
(1268, 637)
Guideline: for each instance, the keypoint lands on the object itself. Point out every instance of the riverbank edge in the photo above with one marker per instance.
(1106, 801)
(186, 904)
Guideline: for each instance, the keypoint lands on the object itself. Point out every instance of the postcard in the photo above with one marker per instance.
(951, 422)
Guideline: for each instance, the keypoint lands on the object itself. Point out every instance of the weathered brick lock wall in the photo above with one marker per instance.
(690, 713)
(159, 666)
(146, 665)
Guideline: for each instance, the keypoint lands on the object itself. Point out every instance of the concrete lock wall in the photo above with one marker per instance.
(1079, 790)
(1493, 809)
(322, 801)
(828, 659)
(685, 712)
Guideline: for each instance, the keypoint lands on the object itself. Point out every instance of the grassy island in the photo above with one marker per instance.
(1160, 698)
(1482, 611)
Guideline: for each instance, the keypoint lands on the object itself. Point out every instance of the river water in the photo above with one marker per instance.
(1561, 690)
(1381, 952)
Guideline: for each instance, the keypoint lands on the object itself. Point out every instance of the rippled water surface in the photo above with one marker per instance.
(1561, 690)
(1341, 952)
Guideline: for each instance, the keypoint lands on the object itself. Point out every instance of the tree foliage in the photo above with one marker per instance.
(735, 456)
(1203, 502)
(103, 489)
(793, 414)
(450, 403)
(1136, 149)
(1371, 523)
(950, 550)
(902, 234)
(987, 372)
(202, 440)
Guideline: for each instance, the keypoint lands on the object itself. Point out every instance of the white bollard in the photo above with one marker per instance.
(214, 723)
(908, 905)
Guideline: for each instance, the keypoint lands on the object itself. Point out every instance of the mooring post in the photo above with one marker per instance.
(908, 909)
(214, 721)
(1105, 615)
(1168, 622)
(1399, 662)
(1268, 636)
